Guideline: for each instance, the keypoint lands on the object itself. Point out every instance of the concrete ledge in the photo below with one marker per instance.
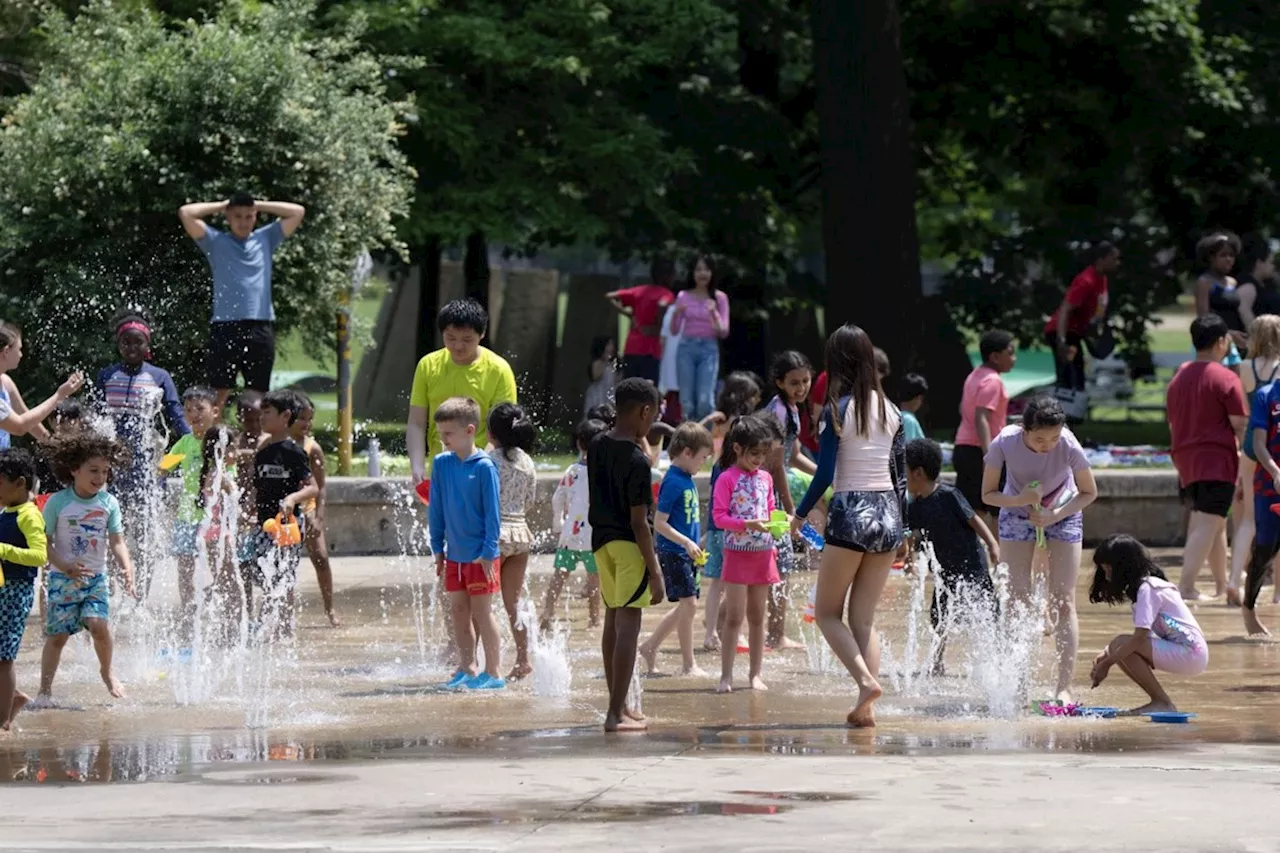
(382, 516)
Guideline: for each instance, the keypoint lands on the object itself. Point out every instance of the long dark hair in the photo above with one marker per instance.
(749, 431)
(711, 265)
(1130, 564)
(851, 369)
(737, 392)
(510, 427)
(598, 345)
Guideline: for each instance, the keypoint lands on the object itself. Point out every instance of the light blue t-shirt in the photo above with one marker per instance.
(242, 272)
(911, 428)
(79, 529)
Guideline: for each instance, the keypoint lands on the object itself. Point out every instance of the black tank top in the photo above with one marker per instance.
(1225, 302)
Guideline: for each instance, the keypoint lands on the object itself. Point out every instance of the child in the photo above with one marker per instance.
(620, 495)
(1165, 635)
(678, 538)
(198, 408)
(313, 510)
(249, 412)
(83, 521)
(282, 483)
(218, 492)
(914, 387)
(464, 518)
(601, 372)
(569, 507)
(133, 392)
(68, 419)
(23, 550)
(741, 504)
(941, 516)
(513, 436)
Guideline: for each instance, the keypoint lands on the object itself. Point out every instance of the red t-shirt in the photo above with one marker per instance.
(647, 303)
(817, 397)
(1086, 291)
(1202, 398)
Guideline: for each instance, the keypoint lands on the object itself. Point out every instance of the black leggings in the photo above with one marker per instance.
(1259, 561)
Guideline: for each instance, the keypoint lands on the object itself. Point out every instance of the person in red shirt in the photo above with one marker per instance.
(1084, 304)
(645, 305)
(1207, 417)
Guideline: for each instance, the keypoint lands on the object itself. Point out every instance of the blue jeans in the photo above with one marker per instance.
(697, 369)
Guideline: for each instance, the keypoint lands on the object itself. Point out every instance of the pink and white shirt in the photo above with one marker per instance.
(740, 497)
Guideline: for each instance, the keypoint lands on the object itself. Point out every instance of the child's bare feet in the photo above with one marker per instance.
(624, 724)
(863, 715)
(757, 683)
(114, 687)
(20, 701)
(1233, 597)
(694, 671)
(519, 671)
(726, 686)
(1150, 708)
(41, 702)
(788, 643)
(633, 714)
(334, 621)
(711, 643)
(1251, 624)
(650, 657)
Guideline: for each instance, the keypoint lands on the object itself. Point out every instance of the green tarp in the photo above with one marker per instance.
(1034, 370)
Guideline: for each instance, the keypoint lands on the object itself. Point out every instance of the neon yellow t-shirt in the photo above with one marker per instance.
(488, 380)
(192, 451)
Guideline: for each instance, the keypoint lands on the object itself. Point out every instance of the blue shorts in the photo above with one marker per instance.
(1015, 526)
(73, 600)
(679, 575)
(16, 598)
(715, 555)
(1266, 523)
(185, 534)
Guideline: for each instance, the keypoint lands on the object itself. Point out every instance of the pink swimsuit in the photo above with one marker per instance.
(739, 497)
(1177, 643)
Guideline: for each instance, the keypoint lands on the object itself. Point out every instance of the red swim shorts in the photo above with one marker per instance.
(470, 578)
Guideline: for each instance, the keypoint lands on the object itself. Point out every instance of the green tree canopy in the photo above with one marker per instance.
(129, 118)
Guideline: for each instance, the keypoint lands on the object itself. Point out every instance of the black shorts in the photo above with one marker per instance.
(242, 347)
(679, 575)
(1209, 496)
(969, 462)
(643, 366)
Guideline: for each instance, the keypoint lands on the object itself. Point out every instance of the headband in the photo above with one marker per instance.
(134, 326)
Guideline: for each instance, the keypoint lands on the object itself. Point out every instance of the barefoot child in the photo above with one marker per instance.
(83, 521)
(678, 536)
(249, 412)
(618, 477)
(187, 454)
(513, 436)
(741, 504)
(464, 518)
(282, 484)
(22, 552)
(569, 507)
(313, 510)
(1165, 636)
(940, 515)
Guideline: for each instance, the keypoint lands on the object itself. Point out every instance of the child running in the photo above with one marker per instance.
(313, 510)
(1165, 636)
(939, 515)
(84, 522)
(282, 484)
(618, 474)
(678, 551)
(23, 550)
(187, 456)
(464, 519)
(569, 508)
(741, 504)
(513, 436)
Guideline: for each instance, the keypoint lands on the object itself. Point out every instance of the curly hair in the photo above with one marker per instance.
(66, 454)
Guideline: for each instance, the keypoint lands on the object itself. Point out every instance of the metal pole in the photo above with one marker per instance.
(346, 421)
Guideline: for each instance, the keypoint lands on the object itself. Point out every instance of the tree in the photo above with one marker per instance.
(128, 119)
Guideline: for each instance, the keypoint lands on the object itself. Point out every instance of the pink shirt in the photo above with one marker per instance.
(1160, 608)
(740, 497)
(983, 389)
(694, 319)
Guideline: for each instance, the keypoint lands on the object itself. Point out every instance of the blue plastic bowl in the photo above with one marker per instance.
(1170, 717)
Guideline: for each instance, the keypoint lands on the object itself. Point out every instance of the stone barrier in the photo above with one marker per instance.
(381, 516)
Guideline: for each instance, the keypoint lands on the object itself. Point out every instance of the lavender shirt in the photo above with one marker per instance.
(1023, 465)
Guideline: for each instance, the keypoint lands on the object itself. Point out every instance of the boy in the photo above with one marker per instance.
(185, 459)
(914, 387)
(678, 535)
(249, 411)
(569, 507)
(313, 511)
(23, 550)
(940, 515)
(465, 520)
(984, 410)
(282, 483)
(619, 487)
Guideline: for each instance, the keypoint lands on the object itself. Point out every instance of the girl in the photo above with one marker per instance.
(741, 504)
(514, 436)
(1261, 368)
(15, 417)
(702, 321)
(1048, 482)
(669, 372)
(601, 372)
(83, 523)
(570, 506)
(1165, 635)
(1216, 291)
(220, 511)
(861, 450)
(739, 397)
(313, 511)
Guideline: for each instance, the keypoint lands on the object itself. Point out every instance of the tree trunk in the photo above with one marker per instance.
(426, 257)
(869, 194)
(475, 268)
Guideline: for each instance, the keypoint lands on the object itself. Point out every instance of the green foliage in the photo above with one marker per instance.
(129, 119)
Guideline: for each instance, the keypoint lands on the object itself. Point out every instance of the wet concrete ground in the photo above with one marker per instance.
(344, 743)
